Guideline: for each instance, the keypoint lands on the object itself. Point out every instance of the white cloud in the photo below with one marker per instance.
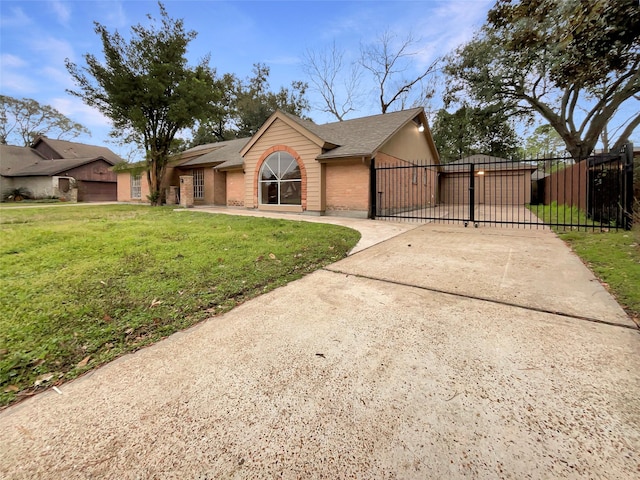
(16, 84)
(447, 26)
(345, 27)
(62, 11)
(56, 75)
(15, 18)
(53, 49)
(75, 109)
(11, 61)
(458, 21)
(13, 80)
(112, 14)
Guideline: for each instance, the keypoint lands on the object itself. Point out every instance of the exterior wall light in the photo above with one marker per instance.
(421, 128)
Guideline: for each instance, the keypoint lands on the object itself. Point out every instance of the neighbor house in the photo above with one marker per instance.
(56, 168)
(295, 165)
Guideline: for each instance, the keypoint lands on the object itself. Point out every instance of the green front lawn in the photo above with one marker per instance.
(80, 286)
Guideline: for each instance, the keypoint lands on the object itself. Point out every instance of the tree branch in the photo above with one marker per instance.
(624, 136)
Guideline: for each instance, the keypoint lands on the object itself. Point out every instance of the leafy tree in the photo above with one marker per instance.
(544, 142)
(574, 63)
(23, 120)
(147, 89)
(219, 125)
(255, 102)
(242, 107)
(469, 131)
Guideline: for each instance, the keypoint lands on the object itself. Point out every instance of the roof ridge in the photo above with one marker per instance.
(369, 117)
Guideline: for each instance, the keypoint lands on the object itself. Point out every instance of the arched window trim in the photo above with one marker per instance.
(278, 183)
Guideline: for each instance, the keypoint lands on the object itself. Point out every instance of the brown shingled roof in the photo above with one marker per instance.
(364, 136)
(18, 161)
(14, 158)
(358, 137)
(52, 167)
(68, 149)
(217, 153)
(487, 162)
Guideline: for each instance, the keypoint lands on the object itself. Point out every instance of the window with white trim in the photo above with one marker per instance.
(198, 183)
(280, 180)
(136, 186)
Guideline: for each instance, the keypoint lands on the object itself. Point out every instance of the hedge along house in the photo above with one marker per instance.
(295, 165)
(56, 168)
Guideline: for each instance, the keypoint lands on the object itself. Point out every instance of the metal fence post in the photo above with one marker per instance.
(627, 187)
(372, 190)
(472, 196)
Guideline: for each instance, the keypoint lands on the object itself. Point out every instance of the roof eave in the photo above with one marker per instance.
(347, 156)
(223, 168)
(214, 163)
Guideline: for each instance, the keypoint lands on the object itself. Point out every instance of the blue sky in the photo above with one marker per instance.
(37, 36)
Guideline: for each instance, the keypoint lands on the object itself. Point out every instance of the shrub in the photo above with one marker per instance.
(16, 194)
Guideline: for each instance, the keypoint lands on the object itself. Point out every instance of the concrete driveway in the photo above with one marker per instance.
(431, 355)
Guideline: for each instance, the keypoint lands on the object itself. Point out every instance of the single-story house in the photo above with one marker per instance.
(497, 181)
(56, 168)
(296, 165)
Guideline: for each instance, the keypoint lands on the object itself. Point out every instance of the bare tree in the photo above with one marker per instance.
(337, 83)
(389, 60)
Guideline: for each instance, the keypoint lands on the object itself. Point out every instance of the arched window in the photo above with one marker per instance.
(280, 180)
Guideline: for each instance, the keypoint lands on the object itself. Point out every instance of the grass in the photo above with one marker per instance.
(80, 286)
(28, 203)
(613, 256)
(555, 214)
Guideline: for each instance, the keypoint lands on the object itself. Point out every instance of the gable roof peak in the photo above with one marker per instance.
(356, 137)
(66, 149)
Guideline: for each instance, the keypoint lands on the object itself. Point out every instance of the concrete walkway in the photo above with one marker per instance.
(430, 355)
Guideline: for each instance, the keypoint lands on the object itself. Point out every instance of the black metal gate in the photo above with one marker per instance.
(596, 193)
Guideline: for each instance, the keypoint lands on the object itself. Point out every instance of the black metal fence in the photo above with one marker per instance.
(596, 193)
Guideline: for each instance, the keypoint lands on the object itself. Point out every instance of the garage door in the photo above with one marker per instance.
(507, 188)
(97, 191)
(455, 189)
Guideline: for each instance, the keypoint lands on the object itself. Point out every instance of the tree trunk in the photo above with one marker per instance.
(605, 139)
(154, 180)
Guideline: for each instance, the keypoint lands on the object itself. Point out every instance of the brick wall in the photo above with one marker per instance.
(347, 186)
(219, 187)
(186, 191)
(235, 188)
(124, 187)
